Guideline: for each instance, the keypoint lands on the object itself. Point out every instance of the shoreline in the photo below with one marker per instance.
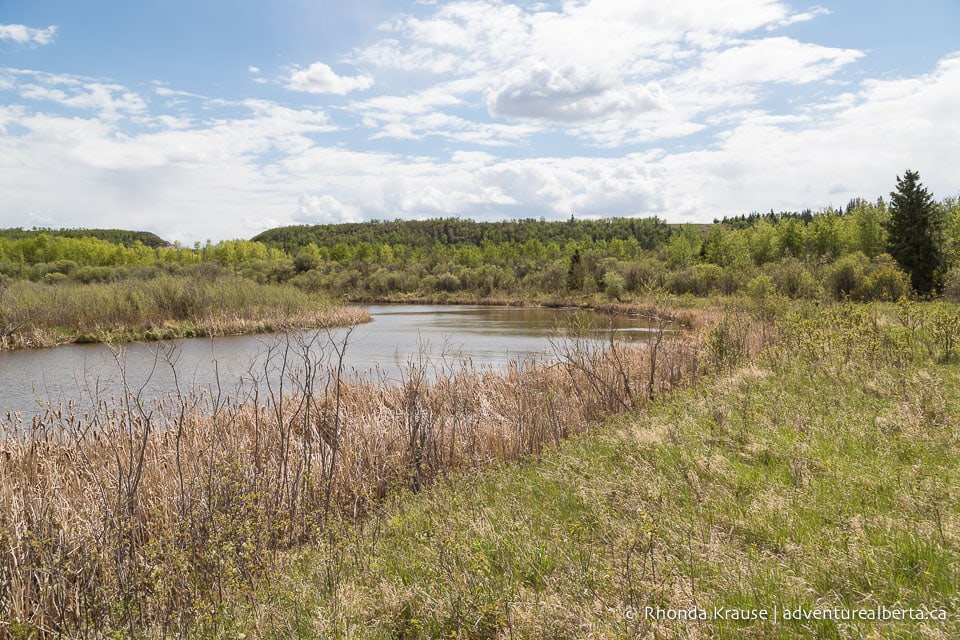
(210, 326)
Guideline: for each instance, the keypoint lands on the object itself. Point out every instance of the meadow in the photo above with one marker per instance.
(779, 454)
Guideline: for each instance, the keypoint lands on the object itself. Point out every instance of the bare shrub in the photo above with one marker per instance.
(138, 514)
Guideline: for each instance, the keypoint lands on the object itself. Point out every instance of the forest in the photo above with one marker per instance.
(845, 254)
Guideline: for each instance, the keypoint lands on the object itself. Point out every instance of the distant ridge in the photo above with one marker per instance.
(648, 232)
(117, 236)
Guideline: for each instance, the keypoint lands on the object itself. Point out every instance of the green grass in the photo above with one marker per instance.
(164, 307)
(814, 479)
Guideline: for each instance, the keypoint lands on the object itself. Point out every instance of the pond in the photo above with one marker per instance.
(30, 380)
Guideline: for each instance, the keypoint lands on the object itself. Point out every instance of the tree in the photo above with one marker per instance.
(576, 272)
(915, 230)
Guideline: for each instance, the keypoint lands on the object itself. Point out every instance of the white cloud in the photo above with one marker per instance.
(26, 35)
(866, 139)
(108, 99)
(806, 16)
(323, 209)
(390, 54)
(613, 72)
(320, 78)
(569, 95)
(550, 83)
(778, 60)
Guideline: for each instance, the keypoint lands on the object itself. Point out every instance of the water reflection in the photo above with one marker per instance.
(29, 380)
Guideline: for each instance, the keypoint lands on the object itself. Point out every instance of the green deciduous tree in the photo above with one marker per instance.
(915, 229)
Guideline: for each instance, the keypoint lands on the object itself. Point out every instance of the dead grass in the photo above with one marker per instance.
(155, 515)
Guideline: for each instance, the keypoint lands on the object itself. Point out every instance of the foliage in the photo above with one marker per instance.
(832, 254)
(649, 233)
(113, 236)
(915, 229)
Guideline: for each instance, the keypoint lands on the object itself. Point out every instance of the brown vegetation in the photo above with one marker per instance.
(41, 315)
(155, 515)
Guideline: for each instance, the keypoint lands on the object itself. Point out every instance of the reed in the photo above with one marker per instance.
(139, 515)
(166, 306)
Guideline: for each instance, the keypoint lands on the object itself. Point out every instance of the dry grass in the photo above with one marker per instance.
(42, 315)
(156, 515)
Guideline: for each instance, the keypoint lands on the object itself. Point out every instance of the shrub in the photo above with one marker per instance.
(700, 279)
(885, 281)
(951, 285)
(447, 282)
(89, 275)
(642, 274)
(305, 262)
(54, 277)
(794, 280)
(613, 284)
(846, 278)
(945, 327)
(732, 280)
(760, 288)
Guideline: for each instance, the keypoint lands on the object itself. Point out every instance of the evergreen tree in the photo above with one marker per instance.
(576, 272)
(914, 232)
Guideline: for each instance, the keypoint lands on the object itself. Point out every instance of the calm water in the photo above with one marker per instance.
(29, 380)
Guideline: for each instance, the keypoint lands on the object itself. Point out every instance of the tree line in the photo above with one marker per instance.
(868, 250)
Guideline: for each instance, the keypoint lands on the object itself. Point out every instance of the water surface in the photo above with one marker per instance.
(78, 374)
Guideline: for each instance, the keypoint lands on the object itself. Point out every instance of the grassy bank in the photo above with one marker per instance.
(164, 516)
(822, 476)
(166, 306)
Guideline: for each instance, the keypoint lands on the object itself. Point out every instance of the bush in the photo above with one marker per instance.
(54, 277)
(447, 282)
(642, 274)
(732, 280)
(945, 327)
(760, 288)
(700, 280)
(305, 262)
(951, 285)
(613, 284)
(794, 280)
(885, 281)
(311, 282)
(89, 275)
(846, 279)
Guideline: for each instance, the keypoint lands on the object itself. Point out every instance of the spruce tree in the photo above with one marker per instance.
(914, 232)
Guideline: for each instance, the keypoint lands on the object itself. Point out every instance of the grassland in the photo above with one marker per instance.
(162, 307)
(796, 456)
(819, 477)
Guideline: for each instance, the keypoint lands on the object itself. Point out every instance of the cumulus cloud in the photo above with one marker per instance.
(320, 78)
(568, 95)
(536, 88)
(611, 72)
(22, 34)
(323, 209)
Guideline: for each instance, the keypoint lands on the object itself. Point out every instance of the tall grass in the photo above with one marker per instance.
(159, 515)
(167, 306)
(819, 476)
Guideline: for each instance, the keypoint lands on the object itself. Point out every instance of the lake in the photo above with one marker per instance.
(438, 335)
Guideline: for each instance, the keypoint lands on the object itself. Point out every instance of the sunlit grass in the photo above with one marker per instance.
(43, 315)
(822, 476)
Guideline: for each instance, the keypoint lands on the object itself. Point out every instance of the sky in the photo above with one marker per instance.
(218, 119)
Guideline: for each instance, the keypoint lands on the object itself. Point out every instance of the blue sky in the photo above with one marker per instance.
(217, 119)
